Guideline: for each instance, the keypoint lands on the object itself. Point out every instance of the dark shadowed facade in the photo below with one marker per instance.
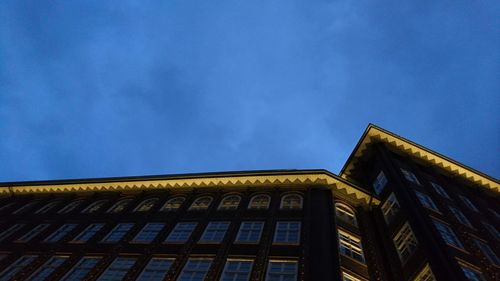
(397, 211)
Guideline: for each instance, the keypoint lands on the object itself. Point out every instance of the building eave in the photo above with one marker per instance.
(230, 180)
(376, 134)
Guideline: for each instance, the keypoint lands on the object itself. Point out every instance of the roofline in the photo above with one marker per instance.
(374, 132)
(242, 179)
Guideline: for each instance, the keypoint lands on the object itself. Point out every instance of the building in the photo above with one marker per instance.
(396, 211)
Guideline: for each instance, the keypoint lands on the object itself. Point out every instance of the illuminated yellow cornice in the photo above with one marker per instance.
(284, 179)
(376, 134)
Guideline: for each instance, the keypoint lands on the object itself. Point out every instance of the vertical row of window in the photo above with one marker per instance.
(156, 269)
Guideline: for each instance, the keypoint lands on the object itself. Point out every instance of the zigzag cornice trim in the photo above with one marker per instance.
(375, 134)
(335, 183)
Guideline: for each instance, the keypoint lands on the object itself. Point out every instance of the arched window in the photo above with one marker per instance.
(201, 203)
(70, 207)
(260, 201)
(47, 207)
(146, 205)
(25, 208)
(94, 207)
(230, 202)
(291, 201)
(173, 204)
(119, 206)
(345, 213)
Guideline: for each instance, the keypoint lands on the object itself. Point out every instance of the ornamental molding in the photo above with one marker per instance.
(283, 180)
(375, 134)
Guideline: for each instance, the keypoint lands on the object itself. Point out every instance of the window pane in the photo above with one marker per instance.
(195, 270)
(214, 232)
(47, 269)
(16, 267)
(156, 269)
(287, 232)
(118, 232)
(250, 232)
(149, 232)
(281, 271)
(181, 232)
(81, 269)
(118, 269)
(237, 270)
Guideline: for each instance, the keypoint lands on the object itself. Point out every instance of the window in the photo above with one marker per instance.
(70, 207)
(468, 203)
(390, 208)
(345, 213)
(425, 274)
(495, 213)
(146, 205)
(287, 232)
(47, 268)
(156, 269)
(16, 267)
(88, 233)
(405, 242)
(237, 270)
(94, 207)
(259, 202)
(348, 277)
(201, 203)
(148, 233)
(491, 229)
(447, 234)
(250, 232)
(195, 270)
(350, 246)
(471, 274)
(379, 183)
(81, 269)
(409, 176)
(118, 232)
(291, 201)
(173, 204)
(426, 201)
(487, 251)
(230, 202)
(6, 206)
(119, 206)
(460, 216)
(46, 208)
(214, 233)
(9, 231)
(281, 270)
(32, 233)
(181, 232)
(117, 269)
(60, 233)
(24, 208)
(440, 190)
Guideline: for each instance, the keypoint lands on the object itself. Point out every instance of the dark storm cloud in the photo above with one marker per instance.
(91, 89)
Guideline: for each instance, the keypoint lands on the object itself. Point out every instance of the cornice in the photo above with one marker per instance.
(375, 134)
(288, 179)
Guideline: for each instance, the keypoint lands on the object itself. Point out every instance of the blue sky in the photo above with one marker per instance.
(106, 88)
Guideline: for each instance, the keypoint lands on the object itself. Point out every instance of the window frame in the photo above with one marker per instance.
(229, 207)
(353, 246)
(148, 232)
(407, 244)
(239, 240)
(176, 231)
(32, 233)
(271, 261)
(287, 231)
(259, 205)
(61, 233)
(111, 210)
(88, 229)
(213, 227)
(139, 206)
(117, 229)
(237, 271)
(86, 269)
(291, 206)
(196, 207)
(445, 231)
(164, 208)
(380, 182)
(46, 265)
(156, 270)
(205, 272)
(115, 268)
(99, 203)
(346, 213)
